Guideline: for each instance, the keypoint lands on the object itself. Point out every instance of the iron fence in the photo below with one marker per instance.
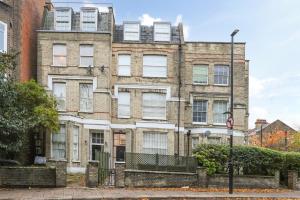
(157, 162)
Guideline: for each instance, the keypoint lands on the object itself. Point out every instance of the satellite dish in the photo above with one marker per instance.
(207, 133)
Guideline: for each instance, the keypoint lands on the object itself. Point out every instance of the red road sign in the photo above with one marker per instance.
(229, 122)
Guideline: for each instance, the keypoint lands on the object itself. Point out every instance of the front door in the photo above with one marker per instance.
(119, 147)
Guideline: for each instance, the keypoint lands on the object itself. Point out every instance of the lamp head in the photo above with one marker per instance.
(234, 32)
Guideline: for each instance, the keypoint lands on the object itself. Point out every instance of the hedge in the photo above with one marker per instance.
(247, 160)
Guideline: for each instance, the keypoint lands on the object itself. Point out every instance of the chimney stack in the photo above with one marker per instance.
(260, 122)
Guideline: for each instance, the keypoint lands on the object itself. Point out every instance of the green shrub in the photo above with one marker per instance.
(292, 161)
(249, 160)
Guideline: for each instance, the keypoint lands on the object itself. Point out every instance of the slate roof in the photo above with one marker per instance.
(103, 22)
(146, 35)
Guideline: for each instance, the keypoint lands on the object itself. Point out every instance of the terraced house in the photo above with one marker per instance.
(135, 88)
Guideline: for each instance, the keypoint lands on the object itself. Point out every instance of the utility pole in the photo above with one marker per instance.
(230, 163)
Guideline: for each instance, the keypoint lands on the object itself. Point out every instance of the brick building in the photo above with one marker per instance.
(134, 88)
(19, 20)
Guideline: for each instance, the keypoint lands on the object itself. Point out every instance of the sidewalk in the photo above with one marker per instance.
(113, 193)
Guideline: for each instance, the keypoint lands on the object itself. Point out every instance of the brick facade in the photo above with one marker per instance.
(23, 18)
(108, 45)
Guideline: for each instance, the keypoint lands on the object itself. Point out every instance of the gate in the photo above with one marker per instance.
(106, 175)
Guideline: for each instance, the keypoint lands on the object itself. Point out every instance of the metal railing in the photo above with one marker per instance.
(157, 162)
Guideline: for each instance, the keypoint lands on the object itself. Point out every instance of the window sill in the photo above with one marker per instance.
(80, 66)
(123, 117)
(120, 162)
(59, 66)
(203, 84)
(222, 85)
(219, 124)
(86, 112)
(200, 123)
(154, 118)
(76, 161)
(120, 76)
(162, 77)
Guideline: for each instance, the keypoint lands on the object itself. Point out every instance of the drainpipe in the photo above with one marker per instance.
(181, 40)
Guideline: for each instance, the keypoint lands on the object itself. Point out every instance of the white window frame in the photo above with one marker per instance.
(144, 107)
(56, 55)
(214, 121)
(228, 71)
(52, 156)
(195, 74)
(82, 20)
(63, 98)
(126, 37)
(68, 21)
(91, 99)
(74, 137)
(5, 37)
(158, 144)
(204, 100)
(155, 65)
(158, 32)
(85, 55)
(124, 101)
(122, 72)
(101, 132)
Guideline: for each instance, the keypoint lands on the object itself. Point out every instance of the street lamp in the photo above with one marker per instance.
(230, 119)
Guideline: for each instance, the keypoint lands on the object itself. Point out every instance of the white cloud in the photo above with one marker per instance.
(147, 20)
(258, 87)
(89, 3)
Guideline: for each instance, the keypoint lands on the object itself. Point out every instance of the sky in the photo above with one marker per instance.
(270, 28)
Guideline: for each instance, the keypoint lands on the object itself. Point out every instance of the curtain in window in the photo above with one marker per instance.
(75, 143)
(59, 92)
(2, 36)
(221, 74)
(154, 105)
(59, 143)
(89, 19)
(124, 104)
(124, 62)
(219, 108)
(86, 97)
(162, 32)
(200, 74)
(59, 55)
(63, 20)
(155, 143)
(131, 31)
(86, 55)
(154, 66)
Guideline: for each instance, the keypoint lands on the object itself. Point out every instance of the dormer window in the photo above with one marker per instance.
(162, 32)
(89, 19)
(132, 31)
(63, 18)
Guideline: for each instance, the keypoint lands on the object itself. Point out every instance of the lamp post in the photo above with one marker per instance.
(230, 119)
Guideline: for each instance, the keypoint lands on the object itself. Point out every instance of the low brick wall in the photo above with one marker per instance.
(92, 177)
(244, 181)
(27, 176)
(293, 180)
(139, 178)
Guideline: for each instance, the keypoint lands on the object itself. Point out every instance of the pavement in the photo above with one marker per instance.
(144, 193)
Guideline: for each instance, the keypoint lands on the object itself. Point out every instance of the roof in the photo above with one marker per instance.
(103, 25)
(277, 124)
(146, 35)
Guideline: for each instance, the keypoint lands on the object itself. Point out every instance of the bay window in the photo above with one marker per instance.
(59, 143)
(155, 143)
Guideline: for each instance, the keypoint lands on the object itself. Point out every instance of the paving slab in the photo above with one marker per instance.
(121, 193)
